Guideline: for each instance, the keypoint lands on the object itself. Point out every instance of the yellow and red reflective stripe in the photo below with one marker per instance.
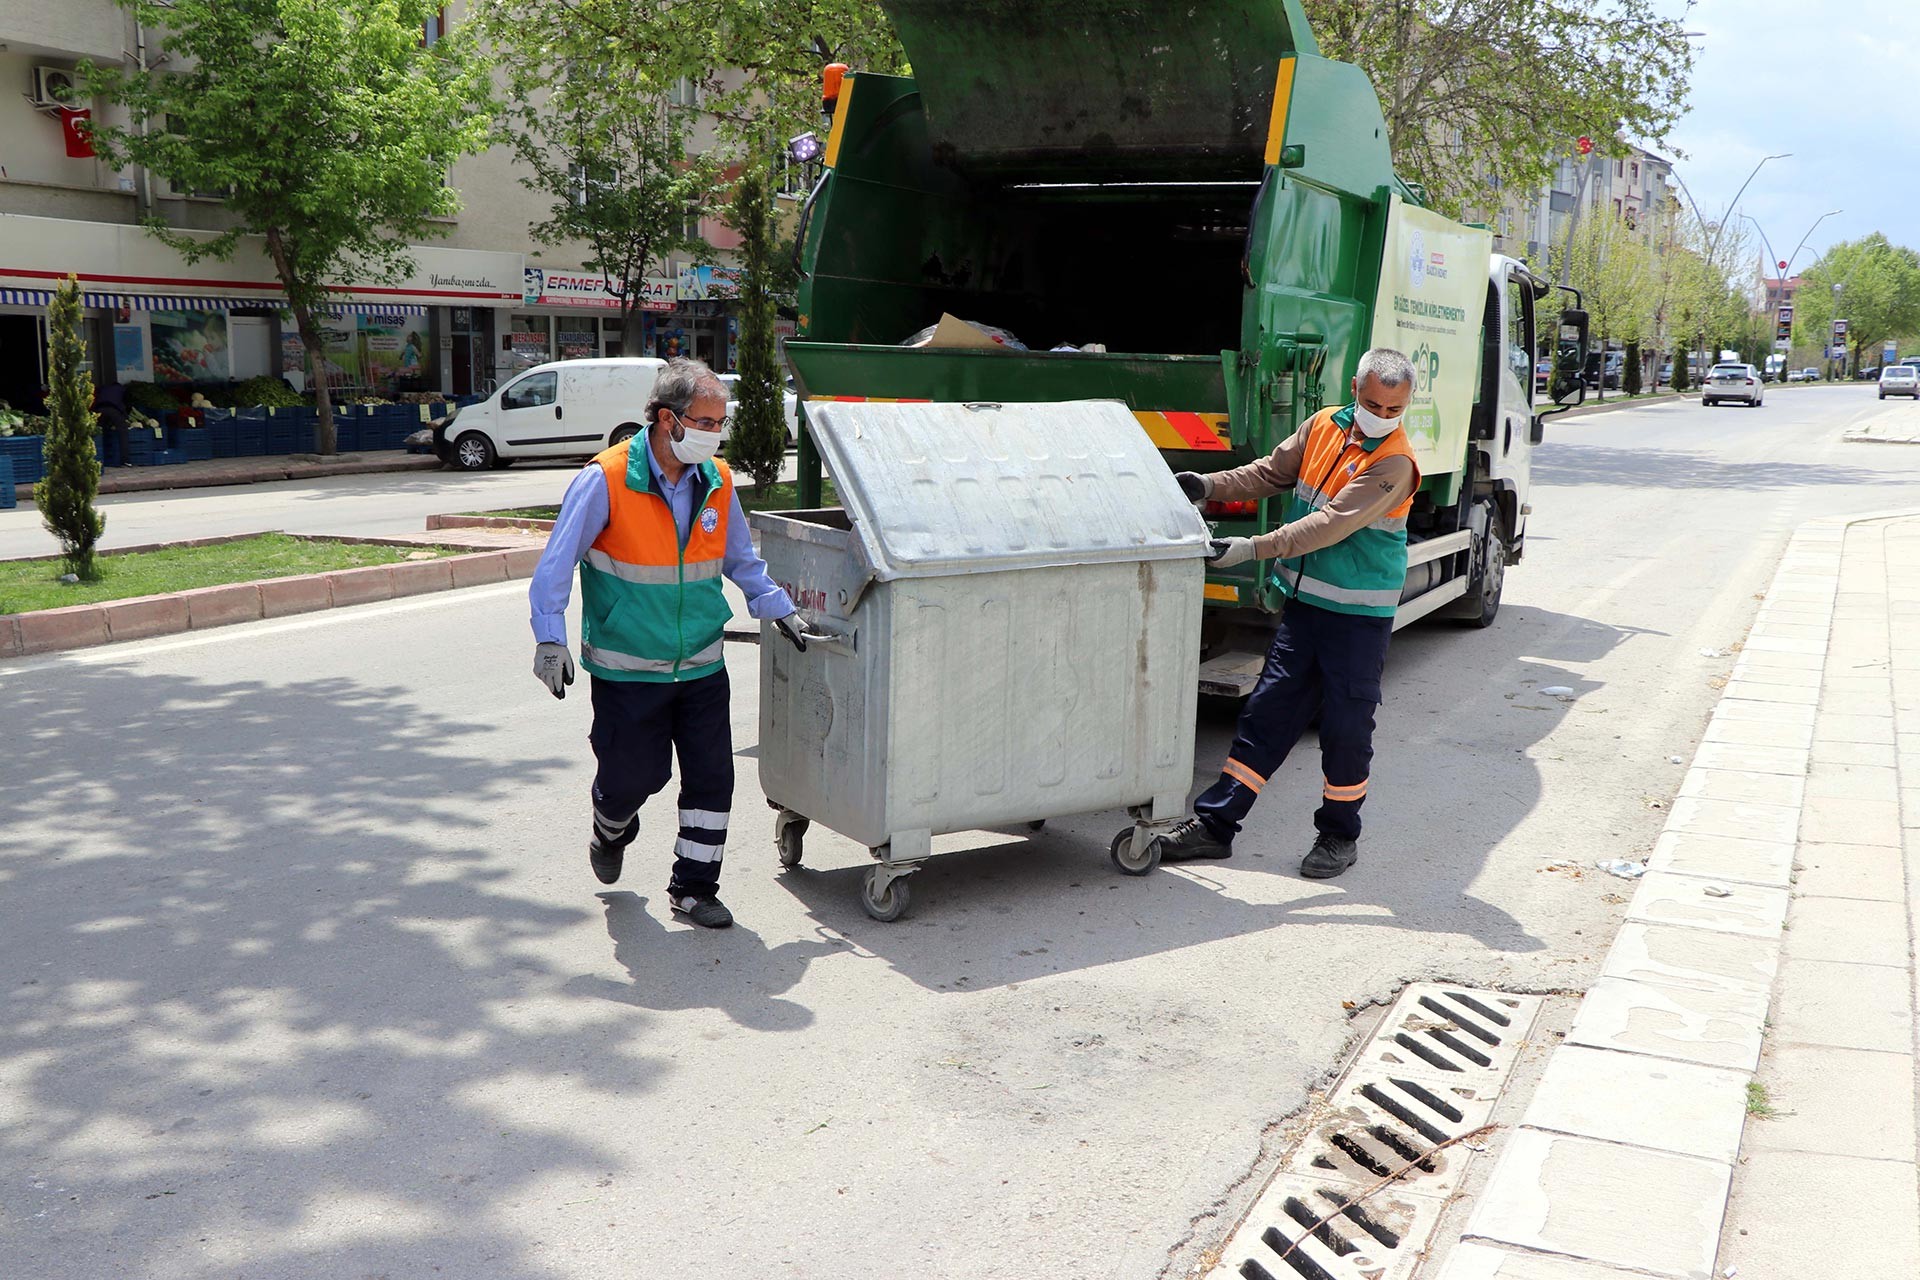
(1189, 432)
(1358, 791)
(1240, 773)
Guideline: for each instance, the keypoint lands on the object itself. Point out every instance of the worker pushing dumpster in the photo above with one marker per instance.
(1005, 625)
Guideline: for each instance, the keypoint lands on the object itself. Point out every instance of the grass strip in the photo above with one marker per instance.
(29, 585)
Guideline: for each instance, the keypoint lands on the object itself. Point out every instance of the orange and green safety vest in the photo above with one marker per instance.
(1364, 572)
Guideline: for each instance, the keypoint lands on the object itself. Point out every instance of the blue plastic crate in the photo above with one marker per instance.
(27, 455)
(197, 445)
(8, 498)
(167, 457)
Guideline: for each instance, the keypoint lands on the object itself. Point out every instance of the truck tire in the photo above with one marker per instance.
(1481, 604)
(474, 452)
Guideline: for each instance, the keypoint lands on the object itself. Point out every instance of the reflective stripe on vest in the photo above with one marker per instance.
(654, 609)
(1366, 571)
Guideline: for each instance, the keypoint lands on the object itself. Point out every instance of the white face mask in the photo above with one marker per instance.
(1372, 425)
(694, 447)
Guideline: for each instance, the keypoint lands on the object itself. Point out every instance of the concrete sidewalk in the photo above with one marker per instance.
(1737, 1093)
(229, 471)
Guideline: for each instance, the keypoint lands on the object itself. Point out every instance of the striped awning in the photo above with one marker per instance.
(213, 302)
(25, 297)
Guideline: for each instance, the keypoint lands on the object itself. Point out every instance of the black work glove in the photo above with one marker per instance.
(1197, 487)
(794, 627)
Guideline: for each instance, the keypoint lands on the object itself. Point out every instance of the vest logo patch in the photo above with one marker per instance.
(709, 520)
(1352, 467)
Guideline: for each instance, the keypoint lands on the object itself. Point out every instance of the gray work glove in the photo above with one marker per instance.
(1228, 552)
(1197, 487)
(554, 667)
(794, 627)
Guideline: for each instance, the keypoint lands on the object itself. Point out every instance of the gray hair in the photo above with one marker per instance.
(683, 381)
(1384, 365)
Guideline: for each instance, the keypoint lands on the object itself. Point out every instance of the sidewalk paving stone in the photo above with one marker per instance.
(1758, 691)
(1827, 820)
(1543, 1192)
(1766, 862)
(1675, 956)
(1785, 761)
(1679, 1107)
(1868, 871)
(1786, 661)
(1489, 1262)
(1799, 1216)
(1847, 1006)
(1753, 910)
(1836, 728)
(1742, 787)
(1848, 1102)
(1764, 711)
(1849, 930)
(1754, 673)
(1853, 782)
(1728, 818)
(1713, 1028)
(1868, 753)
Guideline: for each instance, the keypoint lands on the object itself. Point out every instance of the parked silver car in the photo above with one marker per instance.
(1732, 382)
(1900, 380)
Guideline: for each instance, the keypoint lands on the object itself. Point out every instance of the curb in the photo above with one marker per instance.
(143, 617)
(153, 479)
(1622, 1162)
(488, 522)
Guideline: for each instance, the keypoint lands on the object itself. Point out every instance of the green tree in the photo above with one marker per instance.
(758, 444)
(1614, 272)
(1484, 96)
(599, 116)
(65, 496)
(329, 125)
(1879, 294)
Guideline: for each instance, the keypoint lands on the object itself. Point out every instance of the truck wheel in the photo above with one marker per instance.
(473, 452)
(1493, 574)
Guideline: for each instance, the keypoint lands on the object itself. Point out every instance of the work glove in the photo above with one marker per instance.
(1197, 487)
(794, 627)
(1228, 552)
(554, 667)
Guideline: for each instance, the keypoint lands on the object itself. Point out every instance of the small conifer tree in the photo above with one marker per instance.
(65, 496)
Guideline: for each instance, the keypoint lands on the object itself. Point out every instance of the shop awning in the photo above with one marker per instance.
(214, 302)
(25, 297)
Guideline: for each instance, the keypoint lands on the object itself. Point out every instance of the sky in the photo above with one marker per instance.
(1832, 82)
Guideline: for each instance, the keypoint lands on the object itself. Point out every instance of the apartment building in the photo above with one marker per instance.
(1635, 188)
(482, 302)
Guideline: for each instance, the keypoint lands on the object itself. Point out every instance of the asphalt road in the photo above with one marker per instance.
(306, 975)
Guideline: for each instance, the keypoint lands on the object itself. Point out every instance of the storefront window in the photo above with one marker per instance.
(527, 342)
(579, 337)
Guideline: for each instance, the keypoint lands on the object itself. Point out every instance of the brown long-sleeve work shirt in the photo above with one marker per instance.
(1362, 501)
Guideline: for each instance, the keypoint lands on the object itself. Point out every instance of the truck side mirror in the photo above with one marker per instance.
(1569, 387)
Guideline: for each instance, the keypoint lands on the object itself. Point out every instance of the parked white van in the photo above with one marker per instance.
(568, 409)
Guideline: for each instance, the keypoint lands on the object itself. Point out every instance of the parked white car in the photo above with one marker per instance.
(1732, 382)
(567, 409)
(790, 405)
(1900, 380)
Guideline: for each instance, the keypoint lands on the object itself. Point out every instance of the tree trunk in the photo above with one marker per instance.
(324, 438)
(632, 328)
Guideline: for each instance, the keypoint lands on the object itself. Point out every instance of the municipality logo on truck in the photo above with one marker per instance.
(1417, 261)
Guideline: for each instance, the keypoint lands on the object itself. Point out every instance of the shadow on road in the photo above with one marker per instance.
(1005, 908)
(260, 1015)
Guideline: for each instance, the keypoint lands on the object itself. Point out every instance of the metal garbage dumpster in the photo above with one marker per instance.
(1005, 628)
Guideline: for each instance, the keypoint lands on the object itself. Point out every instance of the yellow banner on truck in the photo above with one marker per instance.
(1433, 295)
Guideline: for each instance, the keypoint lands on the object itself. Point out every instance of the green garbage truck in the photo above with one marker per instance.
(1186, 208)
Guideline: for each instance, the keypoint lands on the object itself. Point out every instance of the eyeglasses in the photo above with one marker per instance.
(706, 424)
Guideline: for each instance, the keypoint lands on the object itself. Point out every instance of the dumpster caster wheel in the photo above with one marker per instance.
(790, 843)
(884, 901)
(1129, 854)
(1038, 824)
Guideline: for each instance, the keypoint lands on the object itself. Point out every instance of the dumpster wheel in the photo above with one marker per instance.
(1135, 851)
(884, 894)
(789, 836)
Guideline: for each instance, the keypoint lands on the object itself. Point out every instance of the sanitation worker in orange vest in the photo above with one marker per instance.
(653, 524)
(1340, 556)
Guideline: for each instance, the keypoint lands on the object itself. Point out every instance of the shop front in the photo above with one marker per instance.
(570, 315)
(152, 316)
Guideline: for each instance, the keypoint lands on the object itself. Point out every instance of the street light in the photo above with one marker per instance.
(1786, 265)
(1713, 242)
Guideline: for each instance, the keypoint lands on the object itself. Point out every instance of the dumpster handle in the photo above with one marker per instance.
(843, 643)
(806, 216)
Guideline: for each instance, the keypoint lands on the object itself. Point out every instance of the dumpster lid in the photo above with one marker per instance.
(938, 489)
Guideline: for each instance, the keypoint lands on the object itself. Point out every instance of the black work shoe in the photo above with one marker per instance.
(606, 855)
(706, 910)
(1193, 839)
(1329, 856)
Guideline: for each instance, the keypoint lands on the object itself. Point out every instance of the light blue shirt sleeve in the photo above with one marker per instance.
(749, 572)
(583, 515)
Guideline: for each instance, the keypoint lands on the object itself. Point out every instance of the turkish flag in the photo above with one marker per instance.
(75, 124)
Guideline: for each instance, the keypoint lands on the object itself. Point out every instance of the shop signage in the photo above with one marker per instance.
(548, 288)
(709, 284)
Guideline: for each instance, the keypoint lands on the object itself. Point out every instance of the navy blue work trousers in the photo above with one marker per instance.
(1320, 661)
(638, 727)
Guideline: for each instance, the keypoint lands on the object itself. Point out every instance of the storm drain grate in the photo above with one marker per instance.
(1430, 1072)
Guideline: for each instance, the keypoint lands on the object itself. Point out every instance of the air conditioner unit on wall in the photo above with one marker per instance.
(55, 87)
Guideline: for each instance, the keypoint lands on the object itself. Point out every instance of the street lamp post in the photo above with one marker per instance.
(1713, 241)
(1786, 265)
